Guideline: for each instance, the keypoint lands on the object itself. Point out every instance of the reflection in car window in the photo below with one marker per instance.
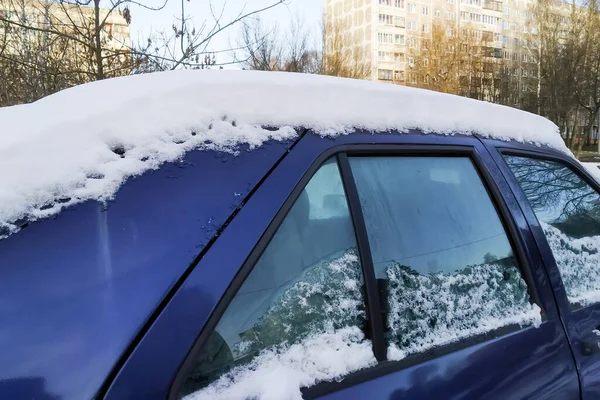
(440, 250)
(305, 288)
(569, 212)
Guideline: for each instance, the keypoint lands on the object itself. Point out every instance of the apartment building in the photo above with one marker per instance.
(393, 32)
(16, 16)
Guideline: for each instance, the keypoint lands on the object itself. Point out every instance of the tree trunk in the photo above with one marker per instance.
(98, 41)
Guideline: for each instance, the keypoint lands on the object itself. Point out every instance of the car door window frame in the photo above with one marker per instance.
(540, 238)
(374, 312)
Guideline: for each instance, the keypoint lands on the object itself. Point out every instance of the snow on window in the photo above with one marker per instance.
(329, 293)
(83, 143)
(578, 260)
(280, 373)
(310, 334)
(427, 311)
(593, 170)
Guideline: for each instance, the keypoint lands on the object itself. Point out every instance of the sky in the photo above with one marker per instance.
(145, 21)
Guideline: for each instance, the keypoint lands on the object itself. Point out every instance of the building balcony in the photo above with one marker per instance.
(492, 5)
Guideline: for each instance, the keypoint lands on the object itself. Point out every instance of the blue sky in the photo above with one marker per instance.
(144, 21)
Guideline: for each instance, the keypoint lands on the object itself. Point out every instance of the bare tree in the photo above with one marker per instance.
(268, 49)
(84, 41)
(340, 56)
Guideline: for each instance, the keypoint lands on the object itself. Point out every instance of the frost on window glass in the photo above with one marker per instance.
(569, 212)
(298, 318)
(440, 251)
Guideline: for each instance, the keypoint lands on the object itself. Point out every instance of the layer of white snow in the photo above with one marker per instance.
(593, 169)
(278, 374)
(432, 310)
(67, 148)
(578, 261)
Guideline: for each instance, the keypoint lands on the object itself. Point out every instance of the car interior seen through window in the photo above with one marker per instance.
(445, 271)
(439, 249)
(568, 210)
(305, 288)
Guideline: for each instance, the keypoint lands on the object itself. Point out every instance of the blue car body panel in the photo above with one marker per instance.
(76, 289)
(579, 323)
(108, 300)
(533, 362)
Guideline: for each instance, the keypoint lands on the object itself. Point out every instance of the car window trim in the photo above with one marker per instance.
(384, 367)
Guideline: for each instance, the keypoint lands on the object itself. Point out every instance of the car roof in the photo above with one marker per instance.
(83, 143)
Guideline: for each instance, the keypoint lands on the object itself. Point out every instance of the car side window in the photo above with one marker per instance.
(568, 210)
(439, 251)
(299, 308)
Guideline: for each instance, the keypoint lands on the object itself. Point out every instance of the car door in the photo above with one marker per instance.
(562, 205)
(382, 266)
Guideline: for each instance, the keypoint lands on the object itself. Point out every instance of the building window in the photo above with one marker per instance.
(497, 37)
(524, 58)
(516, 42)
(399, 75)
(475, 17)
(516, 27)
(449, 15)
(505, 40)
(450, 1)
(412, 43)
(412, 78)
(412, 8)
(506, 10)
(411, 62)
(399, 57)
(506, 25)
(399, 3)
(426, 28)
(385, 19)
(386, 74)
(399, 39)
(399, 21)
(524, 42)
(449, 32)
(412, 26)
(385, 2)
(475, 2)
(464, 15)
(384, 37)
(385, 56)
(425, 10)
(437, 12)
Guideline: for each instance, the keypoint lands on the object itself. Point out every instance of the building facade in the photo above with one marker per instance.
(407, 41)
(33, 24)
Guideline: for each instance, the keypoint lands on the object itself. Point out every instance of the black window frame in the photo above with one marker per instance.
(574, 167)
(375, 328)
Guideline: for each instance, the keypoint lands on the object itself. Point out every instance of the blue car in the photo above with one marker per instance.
(419, 251)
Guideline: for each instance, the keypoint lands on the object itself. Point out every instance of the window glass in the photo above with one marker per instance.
(568, 210)
(440, 251)
(306, 285)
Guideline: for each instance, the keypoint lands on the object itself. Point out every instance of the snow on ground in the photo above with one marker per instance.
(84, 142)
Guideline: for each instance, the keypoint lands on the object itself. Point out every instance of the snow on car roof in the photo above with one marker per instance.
(84, 142)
